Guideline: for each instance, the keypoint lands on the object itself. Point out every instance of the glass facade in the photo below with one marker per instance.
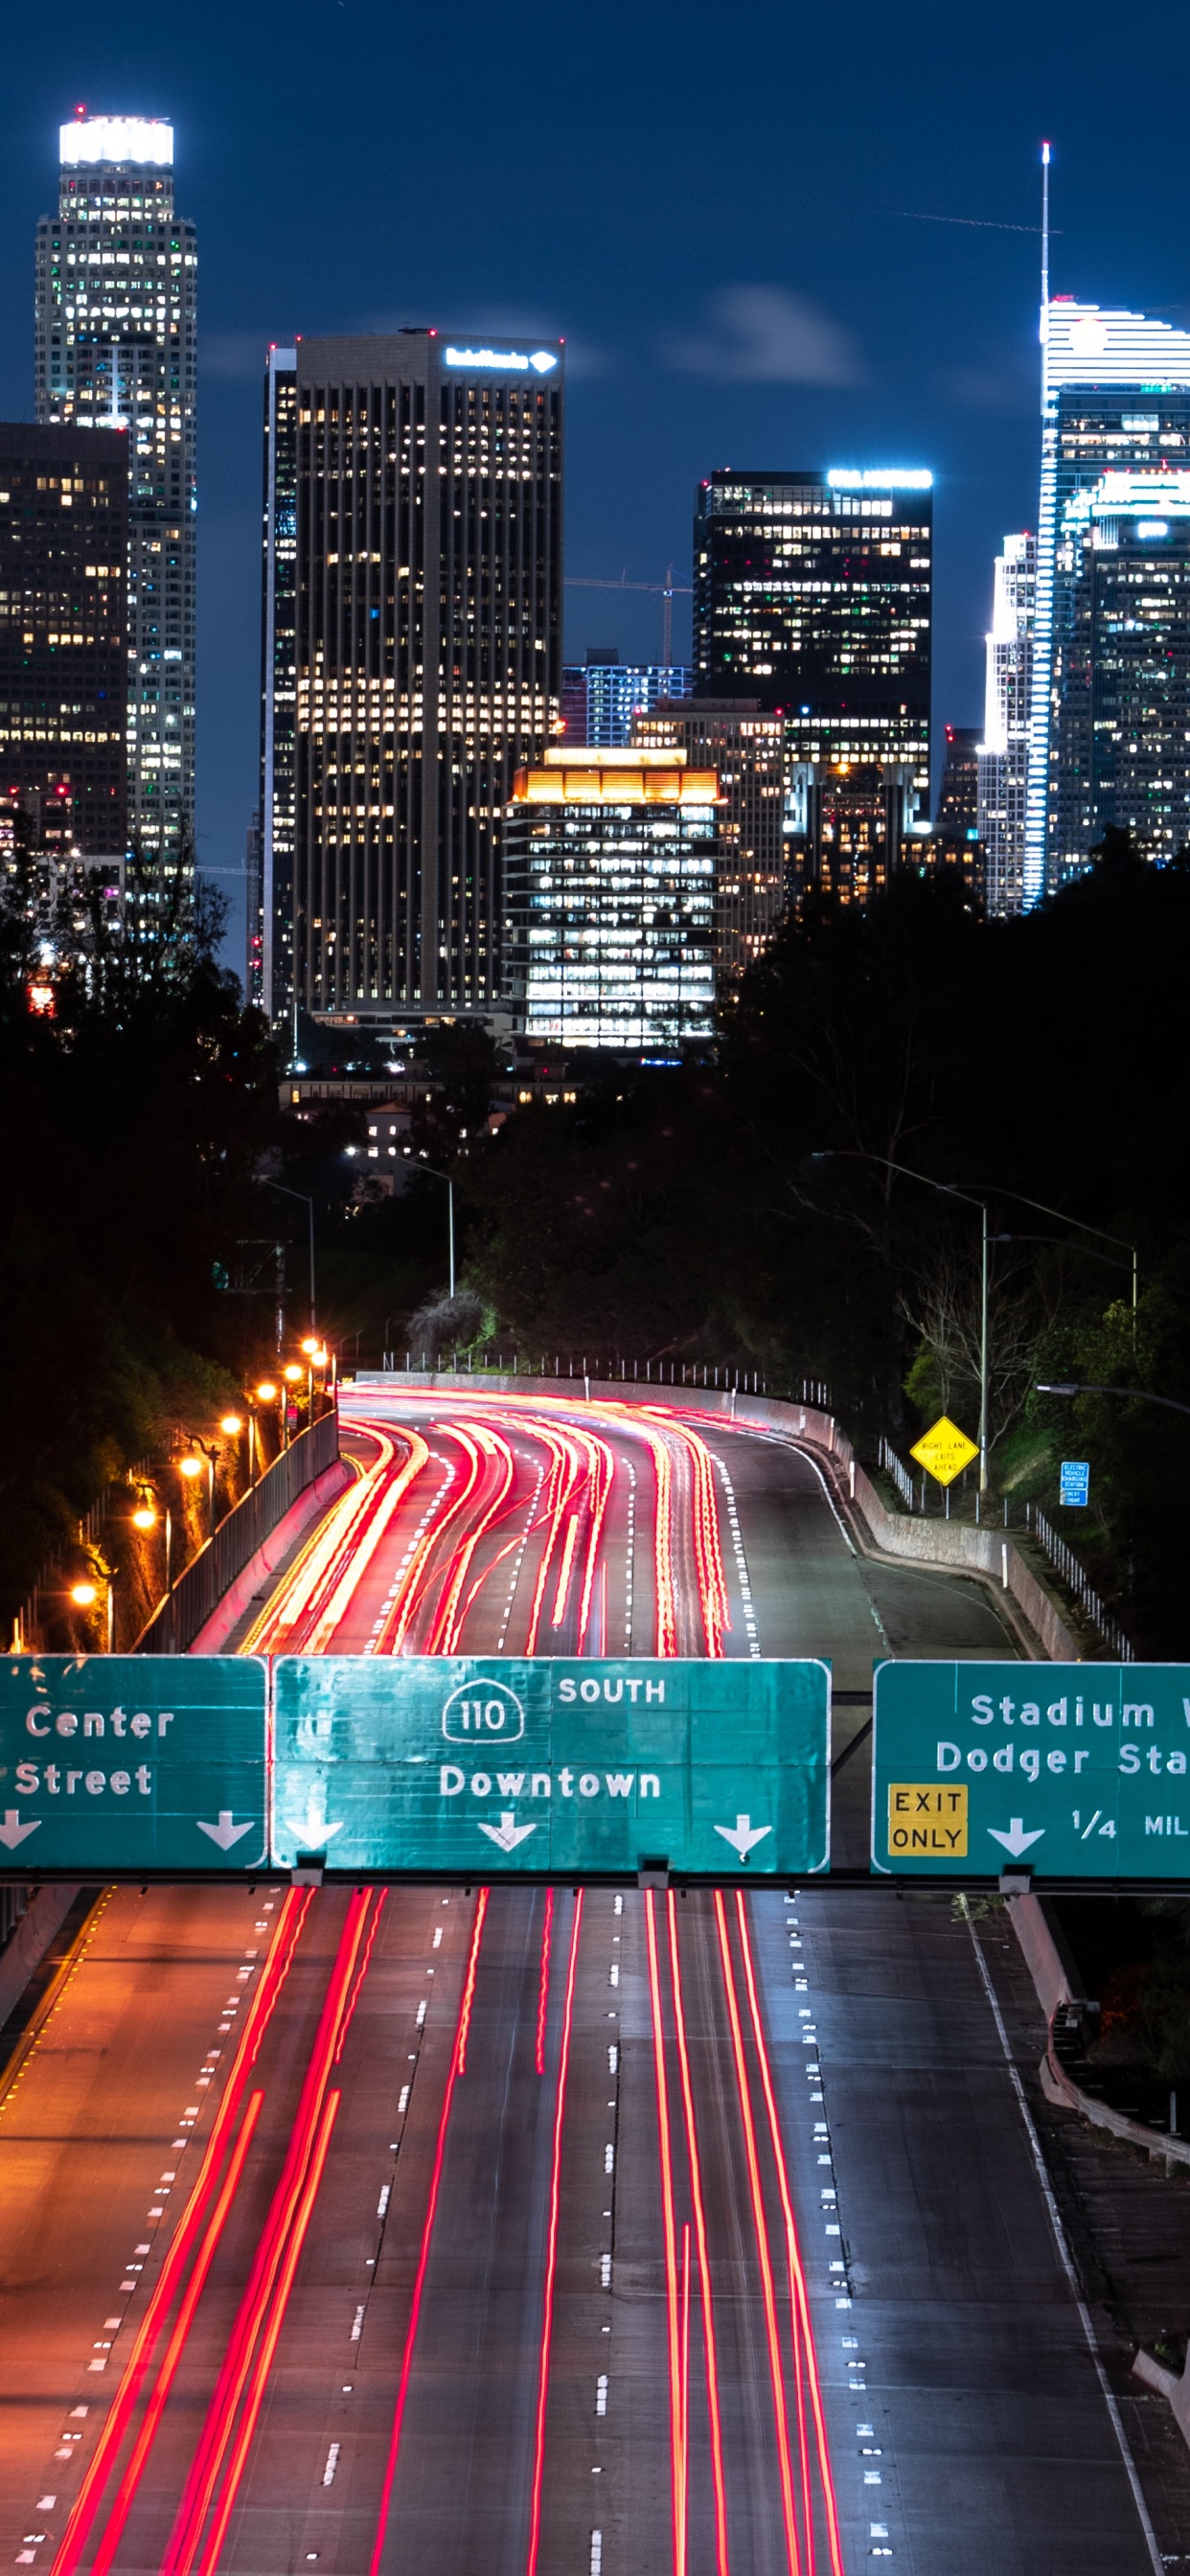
(116, 346)
(611, 867)
(747, 749)
(426, 663)
(1122, 664)
(271, 884)
(1115, 400)
(1003, 754)
(601, 701)
(812, 593)
(63, 637)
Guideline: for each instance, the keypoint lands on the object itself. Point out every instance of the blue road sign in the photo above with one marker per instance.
(1074, 1482)
(450, 1765)
(113, 1763)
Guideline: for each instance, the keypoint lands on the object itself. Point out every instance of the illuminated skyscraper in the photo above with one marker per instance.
(424, 604)
(732, 737)
(117, 347)
(601, 700)
(1121, 728)
(812, 593)
(63, 637)
(1115, 414)
(1003, 754)
(611, 869)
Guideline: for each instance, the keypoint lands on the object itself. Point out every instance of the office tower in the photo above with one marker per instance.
(1003, 755)
(849, 825)
(271, 892)
(63, 636)
(1115, 402)
(812, 593)
(1121, 689)
(747, 748)
(424, 603)
(254, 911)
(611, 867)
(116, 344)
(953, 847)
(601, 700)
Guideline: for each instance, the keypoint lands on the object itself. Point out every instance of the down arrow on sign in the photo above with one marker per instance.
(224, 1833)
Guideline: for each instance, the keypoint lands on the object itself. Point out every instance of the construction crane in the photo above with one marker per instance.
(669, 590)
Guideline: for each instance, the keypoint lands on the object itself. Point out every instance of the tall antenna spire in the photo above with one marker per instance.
(1045, 272)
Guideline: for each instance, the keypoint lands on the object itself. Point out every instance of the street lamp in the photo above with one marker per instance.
(450, 1207)
(192, 1467)
(85, 1595)
(308, 1204)
(1133, 1394)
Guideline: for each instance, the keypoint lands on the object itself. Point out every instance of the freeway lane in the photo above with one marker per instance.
(713, 2241)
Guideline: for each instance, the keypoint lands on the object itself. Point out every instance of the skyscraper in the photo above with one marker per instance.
(733, 737)
(611, 866)
(1003, 754)
(601, 700)
(117, 346)
(425, 481)
(1122, 666)
(1115, 402)
(63, 636)
(812, 592)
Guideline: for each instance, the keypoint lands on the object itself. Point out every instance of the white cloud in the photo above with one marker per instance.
(768, 335)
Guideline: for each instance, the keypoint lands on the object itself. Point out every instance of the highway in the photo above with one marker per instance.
(507, 2231)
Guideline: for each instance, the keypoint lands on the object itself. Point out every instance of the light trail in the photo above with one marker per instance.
(776, 2368)
(444, 1635)
(469, 1980)
(677, 2435)
(543, 1991)
(722, 2567)
(290, 1921)
(551, 2252)
(125, 2494)
(394, 2446)
(199, 2491)
(797, 2278)
(264, 2360)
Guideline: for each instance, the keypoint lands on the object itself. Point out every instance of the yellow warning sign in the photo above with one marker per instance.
(944, 1451)
(925, 1819)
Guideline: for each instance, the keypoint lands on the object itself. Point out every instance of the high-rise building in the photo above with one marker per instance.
(425, 481)
(611, 868)
(1003, 755)
(117, 346)
(746, 748)
(601, 699)
(1115, 401)
(849, 824)
(812, 592)
(1121, 730)
(63, 636)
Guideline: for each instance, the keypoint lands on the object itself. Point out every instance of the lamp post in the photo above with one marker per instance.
(192, 1467)
(145, 1517)
(1131, 1394)
(450, 1208)
(308, 1204)
(947, 1190)
(85, 1595)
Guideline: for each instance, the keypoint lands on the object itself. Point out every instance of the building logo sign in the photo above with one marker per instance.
(505, 361)
(879, 478)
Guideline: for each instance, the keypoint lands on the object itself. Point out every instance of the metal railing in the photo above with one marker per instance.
(198, 1591)
(1078, 1581)
(613, 1369)
(900, 1474)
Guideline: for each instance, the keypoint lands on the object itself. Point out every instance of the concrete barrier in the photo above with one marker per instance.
(24, 1951)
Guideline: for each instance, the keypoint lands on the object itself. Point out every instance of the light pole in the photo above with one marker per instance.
(1132, 1394)
(85, 1596)
(450, 1208)
(308, 1204)
(947, 1190)
(192, 1467)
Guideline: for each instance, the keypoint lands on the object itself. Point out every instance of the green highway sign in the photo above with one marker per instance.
(456, 1766)
(1078, 1770)
(113, 1763)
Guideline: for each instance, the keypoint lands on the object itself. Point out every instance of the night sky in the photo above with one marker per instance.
(772, 237)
